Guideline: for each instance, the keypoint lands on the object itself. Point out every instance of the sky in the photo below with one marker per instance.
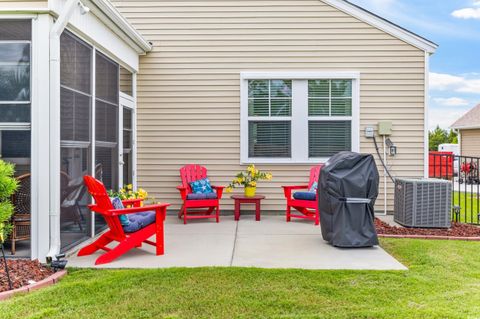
(455, 68)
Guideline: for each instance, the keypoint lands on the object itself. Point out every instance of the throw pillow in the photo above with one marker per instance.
(201, 186)
(117, 204)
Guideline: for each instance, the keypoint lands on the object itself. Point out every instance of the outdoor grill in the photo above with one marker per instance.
(347, 190)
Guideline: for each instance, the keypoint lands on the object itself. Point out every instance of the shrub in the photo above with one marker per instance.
(8, 185)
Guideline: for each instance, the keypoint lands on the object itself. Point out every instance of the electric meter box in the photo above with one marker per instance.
(385, 128)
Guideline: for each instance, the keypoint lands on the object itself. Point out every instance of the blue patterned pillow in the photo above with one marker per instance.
(313, 188)
(117, 204)
(202, 186)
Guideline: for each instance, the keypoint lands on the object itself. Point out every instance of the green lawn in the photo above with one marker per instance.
(443, 282)
(469, 206)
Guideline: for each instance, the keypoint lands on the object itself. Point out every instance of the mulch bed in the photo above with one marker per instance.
(457, 230)
(22, 272)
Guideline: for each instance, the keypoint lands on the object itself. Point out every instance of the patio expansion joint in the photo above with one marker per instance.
(234, 244)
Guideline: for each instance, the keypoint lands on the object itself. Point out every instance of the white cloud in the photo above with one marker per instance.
(444, 118)
(468, 13)
(460, 84)
(452, 101)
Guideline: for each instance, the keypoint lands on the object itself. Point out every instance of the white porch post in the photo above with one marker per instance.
(55, 33)
(40, 142)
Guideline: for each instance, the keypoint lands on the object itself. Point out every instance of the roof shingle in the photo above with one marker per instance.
(469, 120)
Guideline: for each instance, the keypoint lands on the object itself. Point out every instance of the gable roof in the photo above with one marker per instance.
(470, 120)
(384, 25)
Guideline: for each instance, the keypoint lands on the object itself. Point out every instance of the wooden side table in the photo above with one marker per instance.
(242, 199)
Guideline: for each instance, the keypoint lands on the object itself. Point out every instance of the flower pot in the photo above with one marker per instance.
(250, 191)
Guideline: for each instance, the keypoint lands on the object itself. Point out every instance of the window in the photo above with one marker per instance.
(327, 100)
(269, 112)
(298, 117)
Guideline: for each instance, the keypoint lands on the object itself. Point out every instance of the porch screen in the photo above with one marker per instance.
(106, 120)
(75, 135)
(15, 96)
(15, 120)
(127, 146)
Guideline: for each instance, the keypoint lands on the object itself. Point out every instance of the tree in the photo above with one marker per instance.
(440, 136)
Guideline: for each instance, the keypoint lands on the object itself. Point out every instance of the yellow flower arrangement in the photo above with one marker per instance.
(127, 192)
(248, 178)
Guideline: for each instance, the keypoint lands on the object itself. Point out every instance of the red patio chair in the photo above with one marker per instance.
(202, 208)
(307, 208)
(127, 241)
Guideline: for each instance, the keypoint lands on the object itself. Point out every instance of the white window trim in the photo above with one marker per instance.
(299, 132)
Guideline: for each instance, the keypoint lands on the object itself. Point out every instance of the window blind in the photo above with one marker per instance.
(269, 139)
(326, 138)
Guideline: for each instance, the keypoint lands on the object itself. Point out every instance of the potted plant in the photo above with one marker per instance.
(8, 185)
(127, 192)
(248, 179)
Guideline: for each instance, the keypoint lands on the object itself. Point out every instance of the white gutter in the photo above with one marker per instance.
(55, 33)
(129, 32)
(466, 127)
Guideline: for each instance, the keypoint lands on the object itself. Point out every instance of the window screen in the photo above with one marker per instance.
(15, 30)
(75, 92)
(330, 97)
(126, 81)
(106, 120)
(106, 83)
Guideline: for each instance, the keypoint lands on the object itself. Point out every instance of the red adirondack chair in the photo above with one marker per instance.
(127, 241)
(197, 208)
(307, 208)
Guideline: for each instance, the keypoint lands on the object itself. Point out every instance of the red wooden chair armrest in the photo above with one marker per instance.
(132, 210)
(183, 192)
(132, 202)
(287, 190)
(219, 190)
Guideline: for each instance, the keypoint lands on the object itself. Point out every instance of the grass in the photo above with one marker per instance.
(469, 206)
(443, 282)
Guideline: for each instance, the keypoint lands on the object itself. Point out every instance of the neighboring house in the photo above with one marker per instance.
(468, 128)
(283, 84)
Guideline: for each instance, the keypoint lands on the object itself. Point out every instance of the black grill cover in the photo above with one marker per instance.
(347, 190)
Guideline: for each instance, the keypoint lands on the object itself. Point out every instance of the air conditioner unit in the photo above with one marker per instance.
(423, 203)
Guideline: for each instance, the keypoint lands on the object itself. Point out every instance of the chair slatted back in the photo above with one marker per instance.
(190, 173)
(314, 174)
(21, 199)
(104, 204)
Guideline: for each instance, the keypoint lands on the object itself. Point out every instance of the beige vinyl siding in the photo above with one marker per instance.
(470, 142)
(189, 86)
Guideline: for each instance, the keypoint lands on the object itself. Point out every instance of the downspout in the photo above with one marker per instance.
(54, 165)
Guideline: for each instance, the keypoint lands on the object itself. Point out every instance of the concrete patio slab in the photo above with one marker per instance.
(270, 243)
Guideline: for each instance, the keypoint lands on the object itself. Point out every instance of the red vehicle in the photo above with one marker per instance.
(440, 165)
